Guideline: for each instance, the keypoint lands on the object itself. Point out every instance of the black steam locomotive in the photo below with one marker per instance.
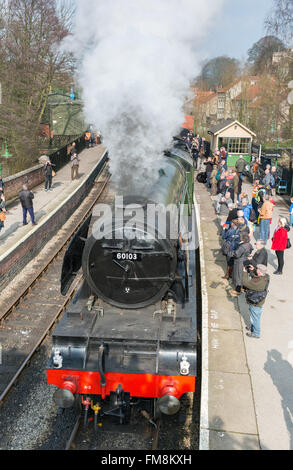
(130, 333)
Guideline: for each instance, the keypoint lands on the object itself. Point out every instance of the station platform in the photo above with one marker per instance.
(46, 201)
(19, 243)
(247, 399)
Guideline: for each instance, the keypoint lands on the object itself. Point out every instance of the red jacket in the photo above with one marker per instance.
(280, 239)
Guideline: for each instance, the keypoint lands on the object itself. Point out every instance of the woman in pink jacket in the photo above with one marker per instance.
(280, 243)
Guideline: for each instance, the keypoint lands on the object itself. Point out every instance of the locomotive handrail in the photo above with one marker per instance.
(103, 381)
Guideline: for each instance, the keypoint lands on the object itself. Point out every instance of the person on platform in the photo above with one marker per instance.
(214, 181)
(236, 184)
(255, 170)
(74, 163)
(2, 186)
(240, 166)
(275, 181)
(2, 211)
(260, 257)
(48, 170)
(256, 292)
(224, 157)
(240, 255)
(230, 238)
(265, 214)
(279, 244)
(26, 198)
(291, 212)
(224, 202)
(87, 138)
(209, 168)
(72, 148)
(268, 181)
(195, 151)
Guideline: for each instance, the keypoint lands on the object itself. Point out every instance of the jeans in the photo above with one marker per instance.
(31, 213)
(255, 314)
(208, 184)
(264, 233)
(291, 220)
(48, 182)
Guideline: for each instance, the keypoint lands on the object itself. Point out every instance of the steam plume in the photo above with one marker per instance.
(136, 61)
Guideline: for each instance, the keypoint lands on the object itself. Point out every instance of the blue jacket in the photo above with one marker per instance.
(232, 236)
(246, 211)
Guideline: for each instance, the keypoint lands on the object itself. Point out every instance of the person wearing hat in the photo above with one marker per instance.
(256, 292)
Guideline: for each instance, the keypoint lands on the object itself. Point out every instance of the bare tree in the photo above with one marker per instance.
(280, 21)
(30, 61)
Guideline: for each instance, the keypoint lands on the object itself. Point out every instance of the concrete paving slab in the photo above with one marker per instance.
(231, 407)
(222, 342)
(233, 441)
(223, 316)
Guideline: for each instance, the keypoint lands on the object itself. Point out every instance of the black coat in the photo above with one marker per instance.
(240, 255)
(26, 198)
(261, 257)
(209, 166)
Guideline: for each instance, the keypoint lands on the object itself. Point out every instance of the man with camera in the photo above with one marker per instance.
(260, 257)
(256, 288)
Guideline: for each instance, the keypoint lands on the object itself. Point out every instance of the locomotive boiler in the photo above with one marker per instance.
(129, 336)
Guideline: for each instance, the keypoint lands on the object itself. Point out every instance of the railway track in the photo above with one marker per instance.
(36, 308)
(145, 435)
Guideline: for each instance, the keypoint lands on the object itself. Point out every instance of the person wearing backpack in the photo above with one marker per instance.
(256, 292)
(231, 237)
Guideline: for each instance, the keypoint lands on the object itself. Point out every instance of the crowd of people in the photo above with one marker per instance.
(198, 146)
(246, 228)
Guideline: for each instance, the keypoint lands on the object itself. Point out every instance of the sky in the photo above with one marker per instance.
(238, 26)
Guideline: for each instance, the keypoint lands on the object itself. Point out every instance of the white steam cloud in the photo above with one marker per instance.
(136, 61)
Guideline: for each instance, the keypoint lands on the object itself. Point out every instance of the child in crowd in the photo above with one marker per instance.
(291, 212)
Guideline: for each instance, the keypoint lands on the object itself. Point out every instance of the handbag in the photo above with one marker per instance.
(226, 247)
(288, 244)
(2, 216)
(53, 173)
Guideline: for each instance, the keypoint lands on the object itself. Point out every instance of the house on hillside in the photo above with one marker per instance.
(212, 107)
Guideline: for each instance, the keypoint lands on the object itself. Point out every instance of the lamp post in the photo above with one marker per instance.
(4, 154)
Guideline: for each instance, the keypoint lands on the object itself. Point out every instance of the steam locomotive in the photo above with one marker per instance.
(129, 336)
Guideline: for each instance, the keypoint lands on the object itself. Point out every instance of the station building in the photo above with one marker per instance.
(235, 137)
